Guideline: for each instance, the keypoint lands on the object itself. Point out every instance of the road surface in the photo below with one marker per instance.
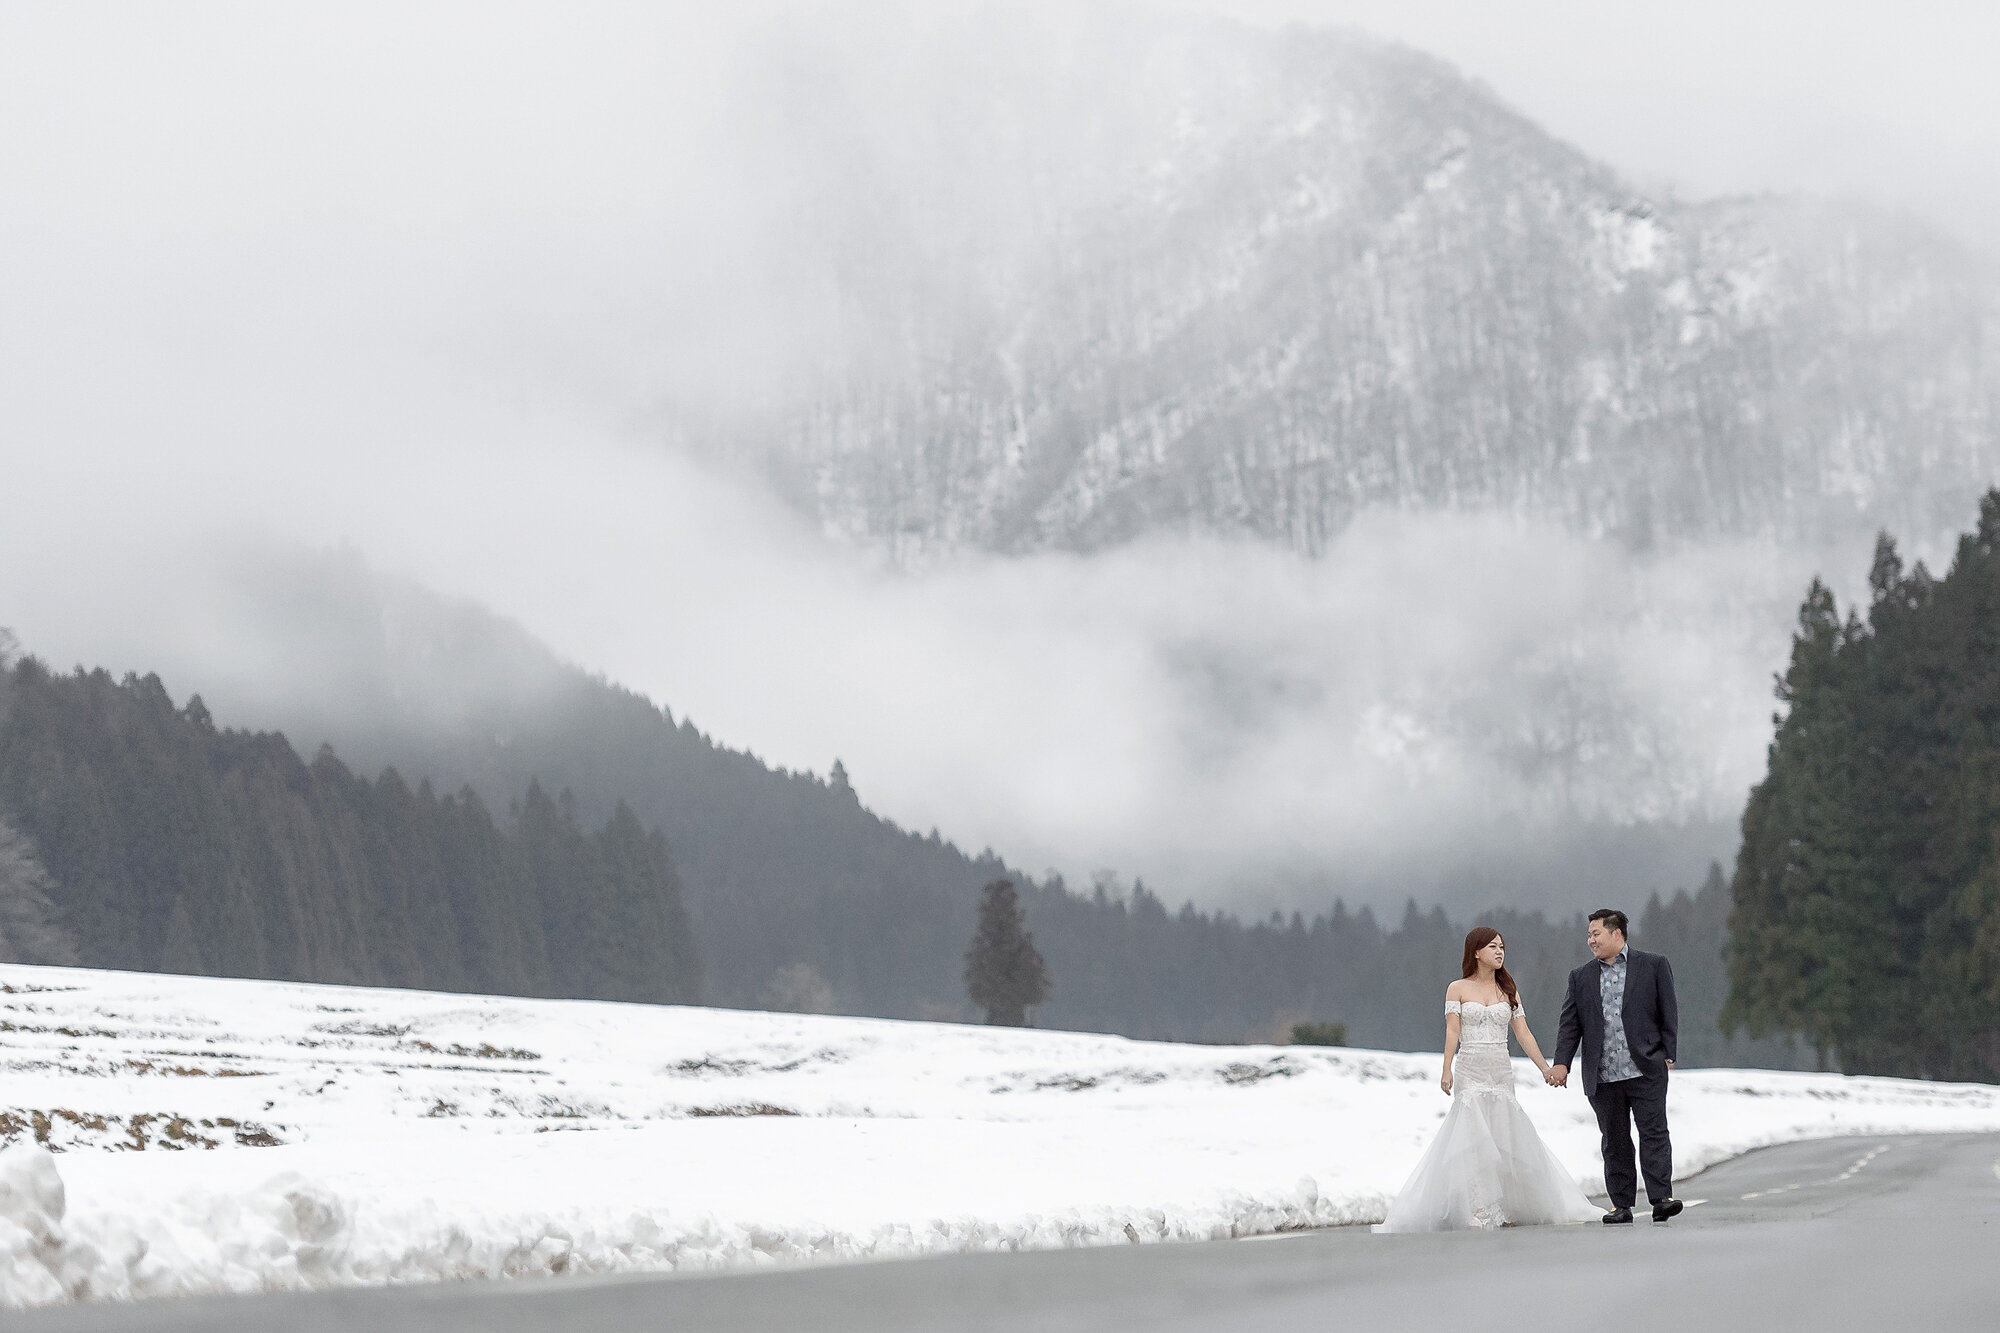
(1835, 1234)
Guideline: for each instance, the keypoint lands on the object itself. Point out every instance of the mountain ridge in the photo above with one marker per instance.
(1336, 274)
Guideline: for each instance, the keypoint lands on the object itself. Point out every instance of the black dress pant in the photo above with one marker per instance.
(1619, 1106)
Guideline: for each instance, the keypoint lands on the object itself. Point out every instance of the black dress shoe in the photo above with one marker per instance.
(1665, 1209)
(1618, 1217)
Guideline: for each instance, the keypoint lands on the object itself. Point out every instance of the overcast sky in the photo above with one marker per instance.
(406, 278)
(1894, 101)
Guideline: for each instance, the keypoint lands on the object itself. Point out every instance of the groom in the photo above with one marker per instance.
(1622, 1009)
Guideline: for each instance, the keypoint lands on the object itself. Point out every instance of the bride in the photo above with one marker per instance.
(1487, 1167)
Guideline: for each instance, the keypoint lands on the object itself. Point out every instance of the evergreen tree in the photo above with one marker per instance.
(28, 929)
(1004, 972)
(1867, 890)
(490, 891)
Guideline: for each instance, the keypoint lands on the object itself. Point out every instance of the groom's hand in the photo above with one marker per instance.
(1558, 1076)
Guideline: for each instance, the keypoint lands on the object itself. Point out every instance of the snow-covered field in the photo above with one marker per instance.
(213, 1135)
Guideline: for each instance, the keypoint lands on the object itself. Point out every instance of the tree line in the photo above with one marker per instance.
(1867, 890)
(1138, 968)
(164, 843)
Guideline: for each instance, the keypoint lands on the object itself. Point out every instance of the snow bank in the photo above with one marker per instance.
(216, 1135)
(285, 1234)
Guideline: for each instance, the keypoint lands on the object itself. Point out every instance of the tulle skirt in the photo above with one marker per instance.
(1487, 1167)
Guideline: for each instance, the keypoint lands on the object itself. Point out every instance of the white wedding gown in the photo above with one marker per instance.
(1487, 1167)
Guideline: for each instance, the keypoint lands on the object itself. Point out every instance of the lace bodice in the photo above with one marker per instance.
(1482, 1026)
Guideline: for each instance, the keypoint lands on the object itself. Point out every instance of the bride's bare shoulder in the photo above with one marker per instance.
(1456, 990)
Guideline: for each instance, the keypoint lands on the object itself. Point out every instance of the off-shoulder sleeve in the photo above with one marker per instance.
(1453, 1007)
(1517, 1011)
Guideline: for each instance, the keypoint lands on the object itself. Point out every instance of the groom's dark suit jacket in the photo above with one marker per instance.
(1652, 1017)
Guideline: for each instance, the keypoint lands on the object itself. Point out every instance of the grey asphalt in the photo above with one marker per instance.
(1834, 1234)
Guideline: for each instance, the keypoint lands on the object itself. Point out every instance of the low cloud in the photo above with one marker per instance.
(1230, 721)
(272, 284)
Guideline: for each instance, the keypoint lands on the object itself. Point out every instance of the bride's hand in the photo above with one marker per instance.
(1444, 1081)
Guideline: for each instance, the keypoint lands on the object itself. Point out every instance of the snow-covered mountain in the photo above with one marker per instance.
(1187, 276)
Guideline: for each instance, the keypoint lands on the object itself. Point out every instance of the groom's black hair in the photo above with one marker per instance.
(1613, 919)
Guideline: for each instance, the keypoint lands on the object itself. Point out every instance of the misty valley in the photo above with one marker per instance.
(141, 836)
(1277, 500)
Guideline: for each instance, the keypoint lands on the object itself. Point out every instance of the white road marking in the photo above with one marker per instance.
(1278, 1235)
(1848, 1174)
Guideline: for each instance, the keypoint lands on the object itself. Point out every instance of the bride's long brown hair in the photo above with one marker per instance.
(1477, 939)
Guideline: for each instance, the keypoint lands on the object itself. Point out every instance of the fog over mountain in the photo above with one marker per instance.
(1857, 99)
(1258, 461)
(1317, 292)
(1320, 275)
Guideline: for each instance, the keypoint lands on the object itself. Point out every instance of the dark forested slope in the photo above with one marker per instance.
(171, 845)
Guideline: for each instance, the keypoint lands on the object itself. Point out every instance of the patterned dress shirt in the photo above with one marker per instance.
(1617, 1064)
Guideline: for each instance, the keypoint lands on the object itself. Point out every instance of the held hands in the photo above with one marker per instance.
(1556, 1076)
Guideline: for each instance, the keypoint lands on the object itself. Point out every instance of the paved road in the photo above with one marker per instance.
(1839, 1234)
